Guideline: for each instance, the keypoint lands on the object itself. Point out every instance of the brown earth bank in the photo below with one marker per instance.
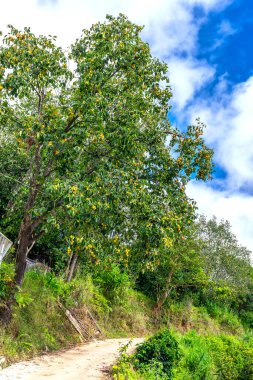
(86, 362)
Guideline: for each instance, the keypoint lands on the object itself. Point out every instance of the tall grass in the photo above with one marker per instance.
(40, 325)
(209, 357)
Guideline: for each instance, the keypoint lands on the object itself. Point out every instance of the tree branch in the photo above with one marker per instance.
(70, 123)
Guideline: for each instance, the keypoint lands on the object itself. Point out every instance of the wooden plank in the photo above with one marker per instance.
(72, 320)
(94, 321)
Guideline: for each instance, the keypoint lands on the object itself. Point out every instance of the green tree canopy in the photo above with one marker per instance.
(100, 155)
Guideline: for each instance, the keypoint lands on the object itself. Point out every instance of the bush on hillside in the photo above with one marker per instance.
(6, 279)
(233, 358)
(161, 350)
(214, 357)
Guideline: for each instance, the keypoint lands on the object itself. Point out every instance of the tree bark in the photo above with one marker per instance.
(68, 265)
(72, 267)
(25, 240)
(161, 300)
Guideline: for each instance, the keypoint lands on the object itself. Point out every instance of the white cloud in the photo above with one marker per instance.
(226, 29)
(168, 23)
(170, 27)
(210, 4)
(230, 131)
(234, 207)
(187, 77)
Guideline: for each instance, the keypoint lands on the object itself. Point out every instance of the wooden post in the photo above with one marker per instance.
(72, 320)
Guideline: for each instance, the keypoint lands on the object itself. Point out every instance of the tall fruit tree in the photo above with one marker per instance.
(81, 119)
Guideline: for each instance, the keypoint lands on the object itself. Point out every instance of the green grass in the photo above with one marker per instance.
(184, 316)
(39, 324)
(212, 341)
(201, 357)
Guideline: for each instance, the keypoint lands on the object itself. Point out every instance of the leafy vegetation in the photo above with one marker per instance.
(161, 350)
(40, 325)
(189, 356)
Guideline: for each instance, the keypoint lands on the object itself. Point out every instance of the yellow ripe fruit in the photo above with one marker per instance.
(93, 207)
(74, 189)
(1, 87)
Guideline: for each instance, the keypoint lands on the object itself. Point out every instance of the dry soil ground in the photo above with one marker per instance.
(87, 362)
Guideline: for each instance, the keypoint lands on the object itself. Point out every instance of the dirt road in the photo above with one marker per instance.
(87, 362)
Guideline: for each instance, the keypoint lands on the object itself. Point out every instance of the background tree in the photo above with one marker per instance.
(226, 263)
(205, 261)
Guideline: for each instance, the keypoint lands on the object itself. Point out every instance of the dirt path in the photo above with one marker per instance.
(87, 362)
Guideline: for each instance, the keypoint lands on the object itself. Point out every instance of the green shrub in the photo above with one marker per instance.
(85, 292)
(23, 299)
(160, 350)
(214, 357)
(113, 283)
(233, 358)
(38, 324)
(6, 279)
(124, 368)
(196, 362)
(47, 280)
(247, 318)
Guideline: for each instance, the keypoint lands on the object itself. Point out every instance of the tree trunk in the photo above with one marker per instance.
(25, 240)
(68, 265)
(6, 311)
(161, 300)
(72, 267)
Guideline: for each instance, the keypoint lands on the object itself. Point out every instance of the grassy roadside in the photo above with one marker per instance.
(211, 341)
(40, 325)
(170, 355)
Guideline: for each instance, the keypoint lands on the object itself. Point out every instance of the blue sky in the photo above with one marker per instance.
(208, 47)
(225, 41)
(233, 28)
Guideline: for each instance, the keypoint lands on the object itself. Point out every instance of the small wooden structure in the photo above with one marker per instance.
(83, 322)
(5, 244)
